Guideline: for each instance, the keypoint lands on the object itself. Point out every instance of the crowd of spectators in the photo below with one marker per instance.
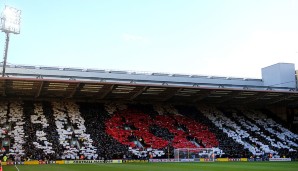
(161, 132)
(33, 153)
(108, 148)
(229, 147)
(255, 134)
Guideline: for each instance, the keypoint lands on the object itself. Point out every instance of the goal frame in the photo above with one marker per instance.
(194, 155)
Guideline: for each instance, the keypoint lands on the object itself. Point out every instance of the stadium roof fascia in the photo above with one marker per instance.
(128, 72)
(82, 90)
(138, 78)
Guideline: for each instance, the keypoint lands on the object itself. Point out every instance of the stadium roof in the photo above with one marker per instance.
(38, 83)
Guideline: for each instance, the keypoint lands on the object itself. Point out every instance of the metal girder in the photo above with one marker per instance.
(261, 95)
(4, 88)
(170, 95)
(104, 94)
(74, 90)
(285, 97)
(293, 104)
(203, 96)
(39, 89)
(138, 93)
(231, 96)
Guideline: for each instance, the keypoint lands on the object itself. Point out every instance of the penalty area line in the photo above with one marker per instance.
(17, 167)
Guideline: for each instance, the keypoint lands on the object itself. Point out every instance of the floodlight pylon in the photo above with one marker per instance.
(10, 23)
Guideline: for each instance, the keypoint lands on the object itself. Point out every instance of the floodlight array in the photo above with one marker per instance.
(10, 20)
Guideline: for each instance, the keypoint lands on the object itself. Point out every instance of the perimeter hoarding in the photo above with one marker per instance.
(91, 161)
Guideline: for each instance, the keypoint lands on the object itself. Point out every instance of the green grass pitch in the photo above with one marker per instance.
(217, 166)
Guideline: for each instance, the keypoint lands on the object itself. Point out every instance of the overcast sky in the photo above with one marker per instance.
(205, 37)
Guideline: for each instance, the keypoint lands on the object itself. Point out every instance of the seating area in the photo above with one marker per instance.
(197, 132)
(69, 130)
(36, 125)
(133, 123)
(72, 132)
(227, 147)
(3, 119)
(232, 129)
(16, 133)
(95, 116)
(254, 130)
(132, 127)
(282, 139)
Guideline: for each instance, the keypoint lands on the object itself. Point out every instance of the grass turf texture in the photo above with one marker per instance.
(218, 166)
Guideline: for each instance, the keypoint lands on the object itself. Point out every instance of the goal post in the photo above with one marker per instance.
(194, 155)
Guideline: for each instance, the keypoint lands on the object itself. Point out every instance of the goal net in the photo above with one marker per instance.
(194, 154)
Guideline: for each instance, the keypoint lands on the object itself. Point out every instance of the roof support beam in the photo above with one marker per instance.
(39, 89)
(105, 93)
(293, 104)
(74, 90)
(261, 95)
(138, 93)
(172, 94)
(285, 97)
(4, 88)
(203, 96)
(231, 96)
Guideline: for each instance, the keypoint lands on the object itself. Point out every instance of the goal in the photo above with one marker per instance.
(194, 154)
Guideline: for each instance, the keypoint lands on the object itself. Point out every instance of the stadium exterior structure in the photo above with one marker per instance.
(277, 86)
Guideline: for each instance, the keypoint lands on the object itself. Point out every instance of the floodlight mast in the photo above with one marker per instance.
(10, 23)
(5, 54)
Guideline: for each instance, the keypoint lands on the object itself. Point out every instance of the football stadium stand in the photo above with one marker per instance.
(53, 113)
